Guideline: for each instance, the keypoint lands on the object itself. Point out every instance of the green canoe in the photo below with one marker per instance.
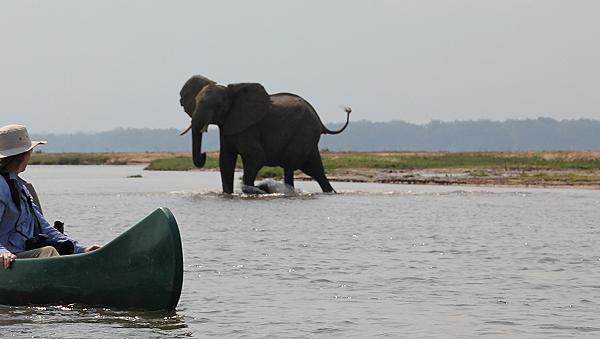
(141, 269)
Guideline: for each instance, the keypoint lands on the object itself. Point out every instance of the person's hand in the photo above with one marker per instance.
(92, 248)
(7, 258)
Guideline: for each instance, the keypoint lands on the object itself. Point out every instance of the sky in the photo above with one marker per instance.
(87, 66)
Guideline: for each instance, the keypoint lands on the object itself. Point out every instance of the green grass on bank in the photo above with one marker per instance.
(182, 163)
(417, 160)
(212, 162)
(499, 160)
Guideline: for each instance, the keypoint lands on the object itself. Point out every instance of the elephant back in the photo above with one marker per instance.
(295, 109)
(288, 100)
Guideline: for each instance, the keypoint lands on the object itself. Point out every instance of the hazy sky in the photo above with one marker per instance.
(68, 66)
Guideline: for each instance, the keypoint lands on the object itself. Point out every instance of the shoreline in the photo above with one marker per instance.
(568, 174)
(465, 177)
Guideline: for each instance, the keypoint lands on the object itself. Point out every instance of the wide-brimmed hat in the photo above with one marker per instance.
(14, 140)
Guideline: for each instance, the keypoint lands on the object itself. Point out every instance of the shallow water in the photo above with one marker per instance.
(372, 261)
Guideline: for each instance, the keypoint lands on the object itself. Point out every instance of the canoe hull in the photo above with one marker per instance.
(141, 269)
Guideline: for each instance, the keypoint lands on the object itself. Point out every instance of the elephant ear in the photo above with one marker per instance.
(249, 104)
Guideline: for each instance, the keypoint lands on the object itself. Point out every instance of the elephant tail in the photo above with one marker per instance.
(328, 131)
(324, 129)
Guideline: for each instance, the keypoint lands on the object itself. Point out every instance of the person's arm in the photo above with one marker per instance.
(54, 234)
(6, 257)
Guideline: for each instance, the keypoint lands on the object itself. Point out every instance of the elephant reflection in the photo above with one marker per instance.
(266, 130)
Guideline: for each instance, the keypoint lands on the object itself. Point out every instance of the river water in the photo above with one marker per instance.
(372, 261)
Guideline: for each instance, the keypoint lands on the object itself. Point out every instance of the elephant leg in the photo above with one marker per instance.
(252, 164)
(250, 172)
(227, 162)
(288, 176)
(248, 146)
(314, 167)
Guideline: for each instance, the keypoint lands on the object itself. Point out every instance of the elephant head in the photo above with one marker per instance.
(233, 108)
(189, 91)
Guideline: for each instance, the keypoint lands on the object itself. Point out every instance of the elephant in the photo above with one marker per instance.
(279, 129)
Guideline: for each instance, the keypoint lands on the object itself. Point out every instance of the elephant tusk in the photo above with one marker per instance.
(186, 130)
(204, 129)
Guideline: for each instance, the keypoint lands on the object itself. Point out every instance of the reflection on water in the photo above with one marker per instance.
(243, 196)
(299, 194)
(371, 261)
(58, 320)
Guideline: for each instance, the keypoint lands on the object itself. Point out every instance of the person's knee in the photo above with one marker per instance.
(48, 251)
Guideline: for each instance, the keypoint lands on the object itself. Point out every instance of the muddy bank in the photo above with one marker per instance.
(589, 179)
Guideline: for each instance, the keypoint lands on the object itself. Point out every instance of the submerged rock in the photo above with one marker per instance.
(269, 186)
(272, 186)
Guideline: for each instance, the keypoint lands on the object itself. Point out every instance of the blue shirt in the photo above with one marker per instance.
(18, 226)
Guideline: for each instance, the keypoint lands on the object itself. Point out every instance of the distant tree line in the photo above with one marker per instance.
(479, 135)
(122, 140)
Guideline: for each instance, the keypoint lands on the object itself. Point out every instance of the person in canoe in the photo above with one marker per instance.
(24, 232)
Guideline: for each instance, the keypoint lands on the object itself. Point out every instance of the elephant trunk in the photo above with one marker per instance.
(200, 120)
(197, 155)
